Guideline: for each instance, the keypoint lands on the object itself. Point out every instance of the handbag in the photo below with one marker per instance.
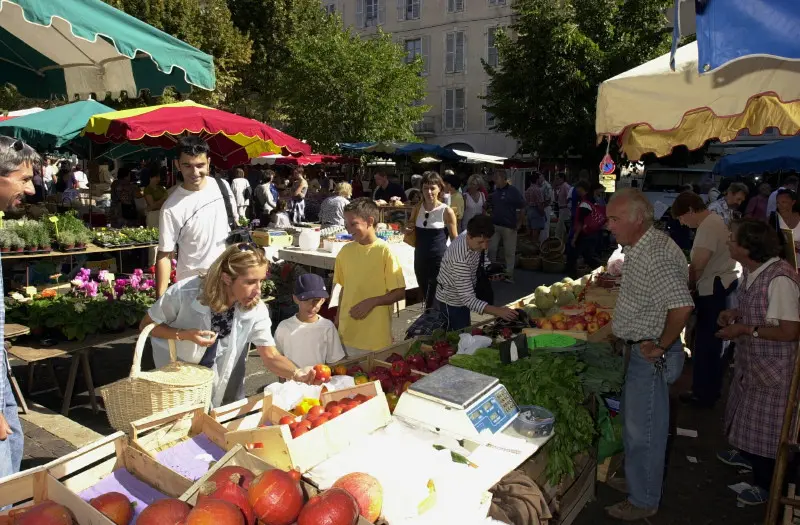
(410, 237)
(483, 286)
(238, 234)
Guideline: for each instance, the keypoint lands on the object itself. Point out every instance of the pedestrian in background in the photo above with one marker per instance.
(508, 215)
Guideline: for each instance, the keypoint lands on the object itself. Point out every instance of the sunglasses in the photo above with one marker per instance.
(425, 222)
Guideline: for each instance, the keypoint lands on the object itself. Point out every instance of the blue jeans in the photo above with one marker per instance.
(707, 356)
(645, 409)
(11, 449)
(458, 317)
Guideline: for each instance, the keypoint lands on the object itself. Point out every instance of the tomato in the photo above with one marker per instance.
(286, 420)
(322, 373)
(355, 402)
(335, 411)
(360, 398)
(330, 405)
(340, 370)
(321, 420)
(258, 445)
(299, 431)
(293, 426)
(314, 412)
(304, 424)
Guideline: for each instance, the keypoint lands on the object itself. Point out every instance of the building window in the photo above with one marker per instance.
(454, 108)
(455, 6)
(497, 2)
(408, 9)
(370, 13)
(330, 9)
(491, 50)
(418, 47)
(455, 42)
(489, 115)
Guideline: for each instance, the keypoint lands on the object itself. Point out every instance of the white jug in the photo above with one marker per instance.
(309, 238)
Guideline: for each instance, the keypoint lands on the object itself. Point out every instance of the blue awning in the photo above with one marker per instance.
(728, 30)
(778, 156)
(402, 148)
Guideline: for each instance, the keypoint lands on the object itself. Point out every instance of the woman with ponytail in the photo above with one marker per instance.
(214, 318)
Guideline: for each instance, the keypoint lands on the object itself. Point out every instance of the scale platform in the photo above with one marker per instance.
(460, 402)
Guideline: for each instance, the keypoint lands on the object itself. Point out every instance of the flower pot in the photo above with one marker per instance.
(69, 247)
(46, 248)
(5, 250)
(30, 248)
(81, 245)
(19, 250)
(37, 331)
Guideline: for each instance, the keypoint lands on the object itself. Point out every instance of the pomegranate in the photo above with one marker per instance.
(215, 512)
(367, 492)
(276, 496)
(224, 474)
(168, 511)
(45, 513)
(333, 507)
(116, 506)
(231, 492)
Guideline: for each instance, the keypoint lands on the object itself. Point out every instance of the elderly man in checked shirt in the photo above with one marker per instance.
(17, 161)
(653, 306)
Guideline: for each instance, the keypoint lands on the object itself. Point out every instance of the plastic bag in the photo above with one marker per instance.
(614, 265)
(467, 344)
(610, 431)
(287, 395)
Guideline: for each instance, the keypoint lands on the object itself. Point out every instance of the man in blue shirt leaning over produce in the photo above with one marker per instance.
(17, 161)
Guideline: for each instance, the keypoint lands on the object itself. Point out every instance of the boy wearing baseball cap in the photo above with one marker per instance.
(306, 338)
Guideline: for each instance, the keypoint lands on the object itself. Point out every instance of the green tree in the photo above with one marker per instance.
(206, 25)
(321, 81)
(544, 90)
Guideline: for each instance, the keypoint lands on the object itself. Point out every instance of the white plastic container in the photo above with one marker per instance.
(309, 239)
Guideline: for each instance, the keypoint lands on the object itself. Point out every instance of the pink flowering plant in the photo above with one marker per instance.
(95, 304)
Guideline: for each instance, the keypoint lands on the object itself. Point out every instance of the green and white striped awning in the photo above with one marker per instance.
(83, 48)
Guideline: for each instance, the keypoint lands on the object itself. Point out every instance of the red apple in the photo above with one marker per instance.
(592, 328)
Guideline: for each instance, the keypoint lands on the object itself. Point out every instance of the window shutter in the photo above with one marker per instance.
(448, 108)
(415, 9)
(460, 106)
(401, 5)
(381, 12)
(359, 14)
(459, 51)
(450, 52)
(459, 5)
(425, 46)
(451, 6)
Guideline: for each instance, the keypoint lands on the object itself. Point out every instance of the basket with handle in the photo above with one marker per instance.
(143, 394)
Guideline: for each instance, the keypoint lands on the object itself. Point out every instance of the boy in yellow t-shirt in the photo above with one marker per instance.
(371, 280)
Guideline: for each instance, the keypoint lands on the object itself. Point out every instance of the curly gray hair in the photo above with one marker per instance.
(15, 153)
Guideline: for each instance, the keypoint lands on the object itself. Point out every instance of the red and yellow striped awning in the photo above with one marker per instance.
(233, 139)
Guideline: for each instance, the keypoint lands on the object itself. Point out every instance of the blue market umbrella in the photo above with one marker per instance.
(53, 128)
(778, 156)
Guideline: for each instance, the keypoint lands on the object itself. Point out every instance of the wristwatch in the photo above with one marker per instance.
(755, 332)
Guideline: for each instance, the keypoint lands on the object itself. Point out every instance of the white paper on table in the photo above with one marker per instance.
(687, 432)
(289, 394)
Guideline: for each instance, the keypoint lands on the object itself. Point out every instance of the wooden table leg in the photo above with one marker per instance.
(52, 371)
(31, 368)
(87, 375)
(73, 372)
(17, 392)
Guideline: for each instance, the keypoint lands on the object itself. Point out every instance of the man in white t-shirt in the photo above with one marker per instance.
(306, 338)
(789, 184)
(193, 219)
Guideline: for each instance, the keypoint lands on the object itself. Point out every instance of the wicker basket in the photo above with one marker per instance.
(530, 263)
(551, 246)
(554, 263)
(145, 393)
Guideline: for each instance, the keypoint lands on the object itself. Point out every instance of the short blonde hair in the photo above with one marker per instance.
(233, 262)
(239, 173)
(476, 179)
(343, 189)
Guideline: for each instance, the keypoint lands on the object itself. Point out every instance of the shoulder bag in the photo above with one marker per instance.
(483, 286)
(410, 237)
(238, 234)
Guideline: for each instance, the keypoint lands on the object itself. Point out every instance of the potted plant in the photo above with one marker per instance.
(43, 238)
(18, 244)
(66, 240)
(5, 241)
(82, 237)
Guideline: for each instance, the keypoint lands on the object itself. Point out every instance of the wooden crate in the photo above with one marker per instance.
(37, 485)
(166, 429)
(248, 413)
(605, 297)
(63, 479)
(239, 457)
(608, 468)
(312, 448)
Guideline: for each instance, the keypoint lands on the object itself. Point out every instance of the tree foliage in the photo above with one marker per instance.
(322, 81)
(544, 90)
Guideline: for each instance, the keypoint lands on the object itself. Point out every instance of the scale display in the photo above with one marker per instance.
(494, 411)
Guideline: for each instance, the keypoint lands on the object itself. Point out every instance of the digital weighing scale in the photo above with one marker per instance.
(459, 402)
